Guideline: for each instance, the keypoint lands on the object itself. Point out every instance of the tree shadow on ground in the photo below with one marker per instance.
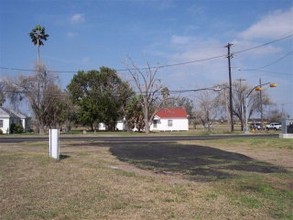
(195, 162)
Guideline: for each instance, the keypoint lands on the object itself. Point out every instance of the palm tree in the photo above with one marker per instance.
(38, 35)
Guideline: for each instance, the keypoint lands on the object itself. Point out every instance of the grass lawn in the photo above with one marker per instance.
(219, 179)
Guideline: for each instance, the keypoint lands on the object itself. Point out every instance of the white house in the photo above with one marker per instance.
(120, 126)
(8, 117)
(4, 121)
(170, 119)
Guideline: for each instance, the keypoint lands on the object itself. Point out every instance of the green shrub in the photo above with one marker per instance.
(16, 128)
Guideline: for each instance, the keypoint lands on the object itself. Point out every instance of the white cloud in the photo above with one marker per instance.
(199, 74)
(191, 48)
(270, 26)
(77, 19)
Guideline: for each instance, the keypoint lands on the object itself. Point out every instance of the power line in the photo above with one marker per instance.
(32, 70)
(267, 71)
(265, 44)
(165, 65)
(273, 62)
(276, 61)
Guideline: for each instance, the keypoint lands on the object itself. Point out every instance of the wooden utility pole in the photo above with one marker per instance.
(260, 100)
(229, 56)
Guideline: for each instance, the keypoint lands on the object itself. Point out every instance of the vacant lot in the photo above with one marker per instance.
(219, 179)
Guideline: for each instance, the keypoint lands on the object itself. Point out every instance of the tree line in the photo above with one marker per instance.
(102, 96)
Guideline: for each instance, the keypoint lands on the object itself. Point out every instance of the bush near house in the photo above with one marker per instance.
(16, 129)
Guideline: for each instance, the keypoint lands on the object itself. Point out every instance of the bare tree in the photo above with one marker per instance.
(165, 94)
(39, 89)
(275, 115)
(207, 108)
(240, 91)
(149, 86)
(2, 92)
(57, 114)
(134, 114)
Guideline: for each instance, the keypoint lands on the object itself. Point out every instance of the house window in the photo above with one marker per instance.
(1, 123)
(170, 123)
(155, 123)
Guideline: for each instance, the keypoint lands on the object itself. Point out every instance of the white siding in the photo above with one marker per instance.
(120, 126)
(174, 125)
(5, 127)
(102, 127)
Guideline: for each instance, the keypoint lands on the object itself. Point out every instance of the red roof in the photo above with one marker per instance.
(172, 113)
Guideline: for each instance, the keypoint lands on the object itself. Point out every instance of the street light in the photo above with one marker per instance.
(256, 88)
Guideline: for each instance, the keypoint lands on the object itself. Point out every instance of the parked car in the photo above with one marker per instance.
(255, 125)
(274, 126)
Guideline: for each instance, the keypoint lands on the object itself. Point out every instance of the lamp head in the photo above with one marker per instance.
(258, 89)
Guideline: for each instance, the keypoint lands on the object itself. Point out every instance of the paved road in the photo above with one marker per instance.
(131, 139)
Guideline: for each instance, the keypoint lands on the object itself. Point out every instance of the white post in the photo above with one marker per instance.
(54, 149)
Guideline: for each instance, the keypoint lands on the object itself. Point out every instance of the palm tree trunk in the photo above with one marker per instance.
(38, 57)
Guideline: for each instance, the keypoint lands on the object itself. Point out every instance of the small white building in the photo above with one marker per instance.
(120, 126)
(170, 119)
(8, 117)
(4, 121)
(102, 127)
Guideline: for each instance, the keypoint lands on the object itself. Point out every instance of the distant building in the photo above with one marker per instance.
(8, 117)
(170, 119)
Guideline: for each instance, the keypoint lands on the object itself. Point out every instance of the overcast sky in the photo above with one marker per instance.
(89, 34)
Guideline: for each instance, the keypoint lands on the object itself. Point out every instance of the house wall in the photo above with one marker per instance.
(27, 124)
(23, 123)
(167, 125)
(102, 127)
(5, 127)
(121, 126)
(15, 120)
(9, 117)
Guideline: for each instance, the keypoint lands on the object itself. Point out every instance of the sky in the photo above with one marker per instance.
(187, 38)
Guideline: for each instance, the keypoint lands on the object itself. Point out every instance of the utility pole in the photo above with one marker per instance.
(229, 56)
(260, 100)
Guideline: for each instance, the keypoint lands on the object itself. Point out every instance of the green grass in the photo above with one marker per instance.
(258, 142)
(258, 192)
(224, 179)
